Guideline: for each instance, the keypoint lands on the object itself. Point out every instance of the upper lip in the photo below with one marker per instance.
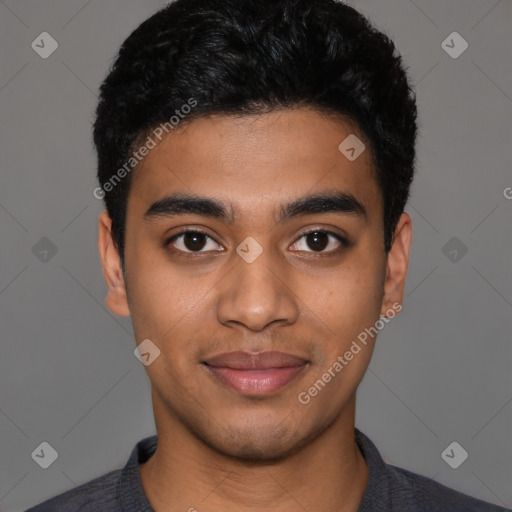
(255, 361)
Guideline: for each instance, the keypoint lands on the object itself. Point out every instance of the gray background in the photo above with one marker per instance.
(441, 371)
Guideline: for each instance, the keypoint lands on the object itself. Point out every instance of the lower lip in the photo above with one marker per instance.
(256, 382)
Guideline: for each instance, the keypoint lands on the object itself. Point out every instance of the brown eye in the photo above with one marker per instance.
(193, 241)
(318, 241)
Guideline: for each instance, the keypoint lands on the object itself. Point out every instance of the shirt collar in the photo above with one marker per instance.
(129, 486)
(132, 497)
(376, 496)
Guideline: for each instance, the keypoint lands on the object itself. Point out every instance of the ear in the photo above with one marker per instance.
(116, 299)
(397, 263)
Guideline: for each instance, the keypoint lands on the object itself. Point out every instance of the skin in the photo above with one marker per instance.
(217, 449)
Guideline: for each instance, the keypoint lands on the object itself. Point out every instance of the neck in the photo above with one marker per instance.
(328, 473)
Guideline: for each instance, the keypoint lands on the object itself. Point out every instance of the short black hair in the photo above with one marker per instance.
(254, 56)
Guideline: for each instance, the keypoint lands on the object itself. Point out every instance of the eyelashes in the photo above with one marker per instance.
(193, 241)
(315, 235)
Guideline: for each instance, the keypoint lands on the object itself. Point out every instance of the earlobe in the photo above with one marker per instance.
(116, 300)
(397, 263)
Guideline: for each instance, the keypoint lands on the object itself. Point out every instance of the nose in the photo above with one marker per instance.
(257, 294)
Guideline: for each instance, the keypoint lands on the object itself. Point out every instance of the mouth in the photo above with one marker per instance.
(255, 374)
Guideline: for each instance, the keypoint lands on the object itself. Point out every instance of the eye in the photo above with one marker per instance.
(320, 241)
(192, 241)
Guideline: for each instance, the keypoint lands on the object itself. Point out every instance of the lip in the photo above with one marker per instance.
(255, 374)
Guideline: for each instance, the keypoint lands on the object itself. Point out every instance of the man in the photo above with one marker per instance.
(255, 160)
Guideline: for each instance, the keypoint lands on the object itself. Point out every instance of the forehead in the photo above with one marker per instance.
(252, 162)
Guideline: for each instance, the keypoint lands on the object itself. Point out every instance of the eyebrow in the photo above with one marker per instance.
(326, 202)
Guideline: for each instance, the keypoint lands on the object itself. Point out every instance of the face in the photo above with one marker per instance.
(281, 251)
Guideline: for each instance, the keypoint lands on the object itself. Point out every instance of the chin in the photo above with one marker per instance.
(257, 443)
(255, 450)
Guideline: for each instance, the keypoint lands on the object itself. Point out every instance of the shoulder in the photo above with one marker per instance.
(119, 490)
(399, 490)
(97, 494)
(416, 492)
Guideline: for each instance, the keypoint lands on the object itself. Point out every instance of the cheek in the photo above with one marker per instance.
(163, 305)
(171, 307)
(344, 308)
(351, 295)
(345, 344)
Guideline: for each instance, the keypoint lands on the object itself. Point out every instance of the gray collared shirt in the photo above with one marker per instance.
(389, 489)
